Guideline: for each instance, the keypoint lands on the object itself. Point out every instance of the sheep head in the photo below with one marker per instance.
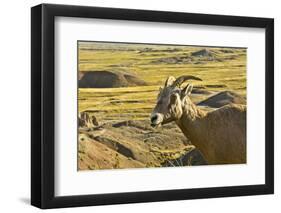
(170, 100)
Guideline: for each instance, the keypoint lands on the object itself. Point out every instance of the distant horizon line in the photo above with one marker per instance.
(157, 44)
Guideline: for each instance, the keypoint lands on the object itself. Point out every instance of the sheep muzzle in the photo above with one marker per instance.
(156, 120)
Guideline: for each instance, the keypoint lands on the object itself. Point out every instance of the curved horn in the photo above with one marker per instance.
(178, 82)
(170, 80)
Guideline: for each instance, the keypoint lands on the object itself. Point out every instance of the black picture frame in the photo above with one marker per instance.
(43, 102)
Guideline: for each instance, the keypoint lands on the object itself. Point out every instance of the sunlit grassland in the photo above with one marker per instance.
(227, 73)
(118, 103)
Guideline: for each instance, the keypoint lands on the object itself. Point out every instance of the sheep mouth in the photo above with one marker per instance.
(161, 122)
(155, 125)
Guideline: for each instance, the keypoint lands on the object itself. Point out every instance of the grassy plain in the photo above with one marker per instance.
(225, 69)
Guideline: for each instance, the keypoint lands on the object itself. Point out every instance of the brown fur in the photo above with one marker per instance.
(220, 135)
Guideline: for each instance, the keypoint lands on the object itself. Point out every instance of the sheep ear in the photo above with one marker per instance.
(187, 90)
(170, 80)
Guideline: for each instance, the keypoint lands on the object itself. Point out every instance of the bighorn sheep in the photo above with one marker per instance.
(220, 134)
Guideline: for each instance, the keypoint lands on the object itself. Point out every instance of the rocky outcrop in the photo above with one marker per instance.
(203, 53)
(109, 79)
(223, 98)
(86, 120)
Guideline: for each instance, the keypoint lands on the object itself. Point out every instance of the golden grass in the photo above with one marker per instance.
(136, 102)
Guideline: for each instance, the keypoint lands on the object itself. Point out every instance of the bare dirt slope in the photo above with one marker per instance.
(134, 144)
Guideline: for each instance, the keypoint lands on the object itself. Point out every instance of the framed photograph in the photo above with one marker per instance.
(139, 106)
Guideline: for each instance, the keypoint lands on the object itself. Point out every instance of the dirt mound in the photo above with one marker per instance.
(223, 98)
(109, 79)
(94, 155)
(134, 144)
(173, 60)
(203, 53)
(198, 57)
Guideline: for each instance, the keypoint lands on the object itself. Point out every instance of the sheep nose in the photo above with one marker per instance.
(153, 118)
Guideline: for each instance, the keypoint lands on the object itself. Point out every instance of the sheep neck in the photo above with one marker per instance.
(191, 123)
